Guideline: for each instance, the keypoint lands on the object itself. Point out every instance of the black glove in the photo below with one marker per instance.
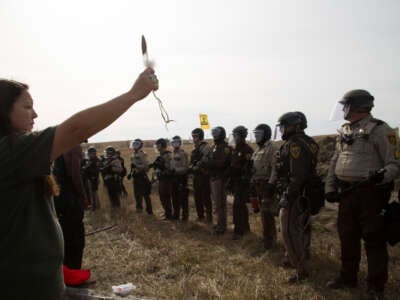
(270, 190)
(332, 197)
(129, 176)
(377, 176)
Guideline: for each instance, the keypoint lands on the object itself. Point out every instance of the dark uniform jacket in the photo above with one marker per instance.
(241, 164)
(296, 163)
(219, 161)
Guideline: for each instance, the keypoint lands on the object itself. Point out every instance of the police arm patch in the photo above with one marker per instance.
(295, 151)
(392, 138)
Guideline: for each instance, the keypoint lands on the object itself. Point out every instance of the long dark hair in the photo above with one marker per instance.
(10, 90)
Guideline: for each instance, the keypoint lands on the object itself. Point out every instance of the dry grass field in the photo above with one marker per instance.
(172, 260)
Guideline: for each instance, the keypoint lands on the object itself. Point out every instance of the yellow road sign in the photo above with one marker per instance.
(204, 124)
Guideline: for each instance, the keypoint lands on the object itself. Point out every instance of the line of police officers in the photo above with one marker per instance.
(360, 178)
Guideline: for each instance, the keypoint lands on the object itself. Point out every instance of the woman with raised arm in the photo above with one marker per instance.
(31, 243)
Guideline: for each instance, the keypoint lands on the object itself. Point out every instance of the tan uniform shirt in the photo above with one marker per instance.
(264, 159)
(139, 159)
(370, 149)
(180, 162)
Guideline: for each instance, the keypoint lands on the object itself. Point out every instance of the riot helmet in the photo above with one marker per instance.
(289, 123)
(352, 101)
(218, 133)
(161, 144)
(198, 132)
(176, 142)
(109, 151)
(137, 144)
(262, 133)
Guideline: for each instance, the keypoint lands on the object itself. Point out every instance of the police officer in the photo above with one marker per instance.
(201, 179)
(263, 163)
(111, 169)
(180, 192)
(162, 166)
(296, 163)
(240, 175)
(359, 177)
(90, 176)
(124, 172)
(218, 167)
(141, 182)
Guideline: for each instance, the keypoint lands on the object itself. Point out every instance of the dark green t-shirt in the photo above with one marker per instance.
(31, 243)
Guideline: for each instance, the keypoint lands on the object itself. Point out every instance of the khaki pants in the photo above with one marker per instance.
(295, 229)
(218, 196)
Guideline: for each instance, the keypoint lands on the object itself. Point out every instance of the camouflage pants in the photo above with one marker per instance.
(296, 234)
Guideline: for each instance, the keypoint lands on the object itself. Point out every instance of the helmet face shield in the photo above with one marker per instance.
(232, 140)
(217, 133)
(259, 135)
(340, 112)
(337, 112)
(136, 145)
(176, 143)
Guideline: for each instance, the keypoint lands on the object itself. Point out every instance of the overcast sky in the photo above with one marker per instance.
(241, 62)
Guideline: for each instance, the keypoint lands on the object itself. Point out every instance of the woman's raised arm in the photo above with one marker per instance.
(88, 122)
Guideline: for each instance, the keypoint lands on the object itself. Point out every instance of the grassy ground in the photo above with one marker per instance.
(171, 260)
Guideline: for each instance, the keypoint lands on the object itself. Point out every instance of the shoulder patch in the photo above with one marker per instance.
(392, 138)
(313, 148)
(295, 151)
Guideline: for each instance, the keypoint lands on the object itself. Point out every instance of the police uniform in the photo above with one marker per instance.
(90, 176)
(201, 181)
(162, 166)
(141, 182)
(362, 147)
(218, 168)
(240, 170)
(263, 163)
(296, 162)
(111, 170)
(180, 192)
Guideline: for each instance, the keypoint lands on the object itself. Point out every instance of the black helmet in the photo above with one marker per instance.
(137, 144)
(359, 98)
(176, 141)
(110, 151)
(290, 118)
(198, 132)
(92, 149)
(218, 133)
(240, 131)
(303, 124)
(162, 143)
(266, 130)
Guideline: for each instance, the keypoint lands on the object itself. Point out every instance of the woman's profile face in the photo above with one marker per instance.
(22, 114)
